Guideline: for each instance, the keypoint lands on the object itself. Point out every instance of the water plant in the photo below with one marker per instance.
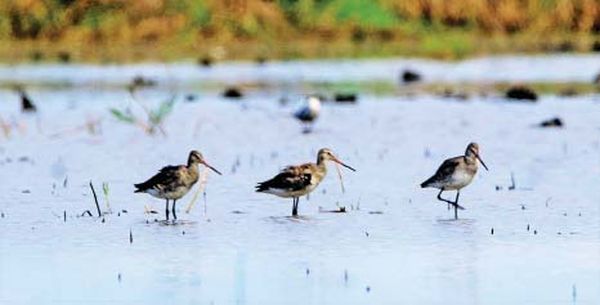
(152, 122)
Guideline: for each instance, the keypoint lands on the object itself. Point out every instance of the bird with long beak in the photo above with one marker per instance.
(456, 173)
(297, 181)
(173, 182)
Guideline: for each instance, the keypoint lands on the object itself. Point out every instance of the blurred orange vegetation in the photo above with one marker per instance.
(194, 24)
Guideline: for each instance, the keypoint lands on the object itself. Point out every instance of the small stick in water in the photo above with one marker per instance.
(95, 199)
(130, 237)
(201, 186)
(512, 181)
(65, 215)
(339, 172)
(105, 190)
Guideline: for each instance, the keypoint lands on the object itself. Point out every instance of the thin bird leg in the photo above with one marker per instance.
(167, 209)
(439, 197)
(456, 204)
(173, 209)
(295, 206)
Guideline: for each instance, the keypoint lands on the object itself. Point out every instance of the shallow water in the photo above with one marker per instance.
(396, 243)
(537, 68)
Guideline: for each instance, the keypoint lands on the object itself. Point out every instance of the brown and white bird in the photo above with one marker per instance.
(173, 182)
(296, 181)
(456, 173)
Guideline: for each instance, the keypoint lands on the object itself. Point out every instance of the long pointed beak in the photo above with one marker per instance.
(479, 158)
(343, 164)
(212, 168)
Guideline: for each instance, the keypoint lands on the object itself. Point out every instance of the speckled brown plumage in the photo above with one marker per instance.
(174, 182)
(296, 181)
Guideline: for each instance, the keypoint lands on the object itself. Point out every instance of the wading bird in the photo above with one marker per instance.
(309, 112)
(296, 181)
(173, 182)
(456, 173)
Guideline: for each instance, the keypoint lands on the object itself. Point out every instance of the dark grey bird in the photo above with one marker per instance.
(456, 173)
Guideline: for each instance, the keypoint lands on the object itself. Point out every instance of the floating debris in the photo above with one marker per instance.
(521, 93)
(233, 93)
(190, 97)
(553, 122)
(27, 104)
(64, 57)
(140, 81)
(345, 97)
(205, 61)
(410, 76)
(338, 210)
(261, 60)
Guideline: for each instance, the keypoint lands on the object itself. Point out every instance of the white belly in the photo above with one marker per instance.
(458, 180)
(291, 194)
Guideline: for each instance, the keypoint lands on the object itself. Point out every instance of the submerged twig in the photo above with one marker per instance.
(339, 172)
(201, 186)
(512, 181)
(105, 190)
(96, 199)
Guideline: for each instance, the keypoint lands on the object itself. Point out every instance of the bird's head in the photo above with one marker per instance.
(325, 154)
(314, 102)
(197, 158)
(473, 151)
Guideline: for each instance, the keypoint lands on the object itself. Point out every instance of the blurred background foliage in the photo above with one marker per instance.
(117, 30)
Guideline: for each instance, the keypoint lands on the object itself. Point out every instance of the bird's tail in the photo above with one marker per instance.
(261, 187)
(427, 182)
(139, 188)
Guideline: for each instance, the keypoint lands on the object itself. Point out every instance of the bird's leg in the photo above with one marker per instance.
(173, 209)
(295, 206)
(453, 203)
(456, 204)
(439, 197)
(167, 209)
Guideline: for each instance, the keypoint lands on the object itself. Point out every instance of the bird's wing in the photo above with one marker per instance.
(447, 168)
(291, 178)
(166, 176)
(303, 113)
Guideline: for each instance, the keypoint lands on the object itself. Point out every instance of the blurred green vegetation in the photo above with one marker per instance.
(121, 30)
